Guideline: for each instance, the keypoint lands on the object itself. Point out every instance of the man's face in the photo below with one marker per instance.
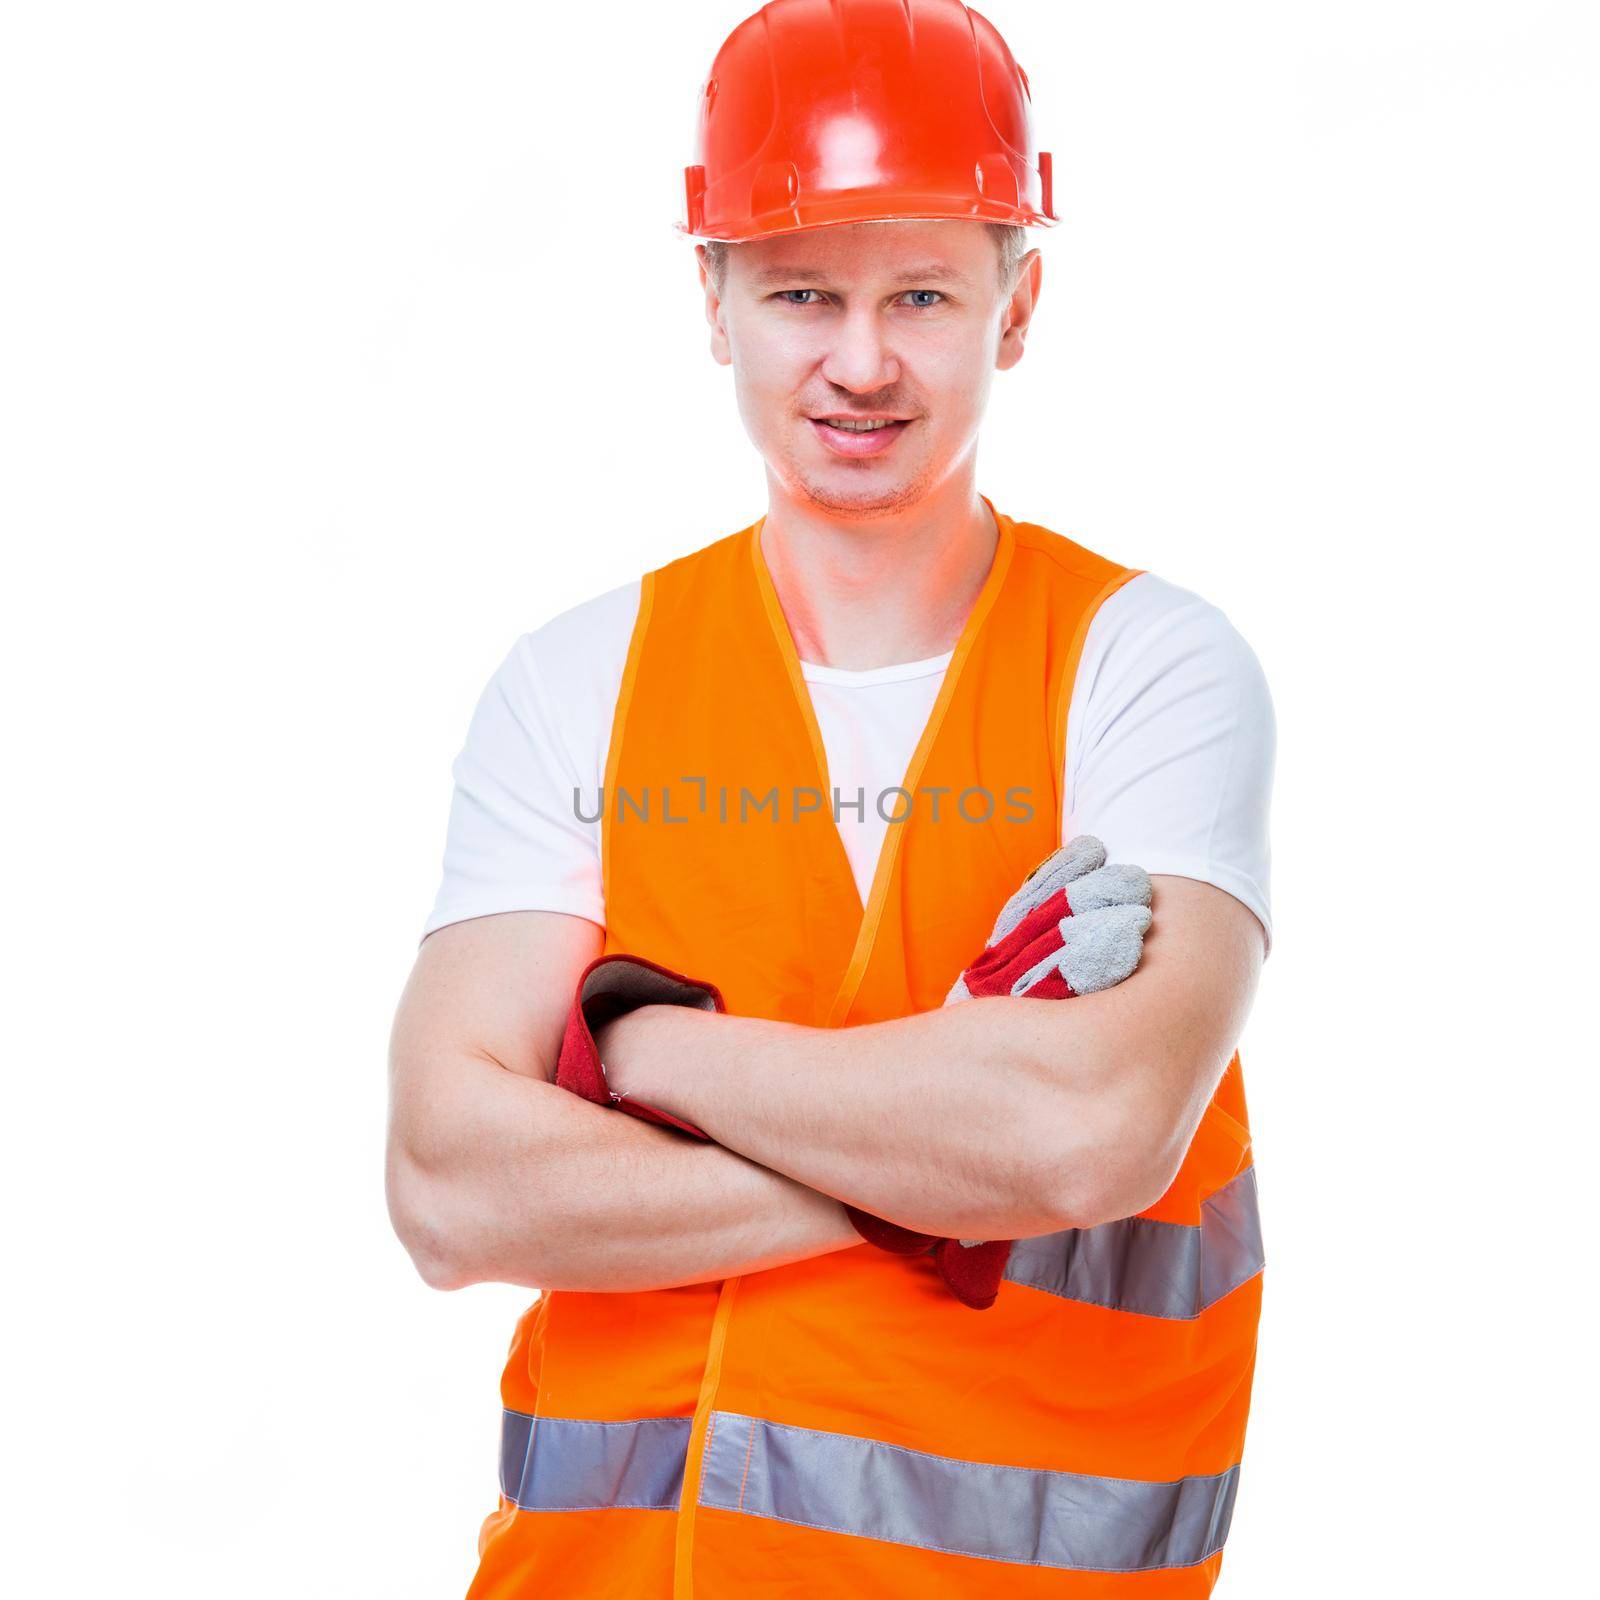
(903, 321)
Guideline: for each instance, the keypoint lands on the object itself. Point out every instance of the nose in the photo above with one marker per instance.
(859, 358)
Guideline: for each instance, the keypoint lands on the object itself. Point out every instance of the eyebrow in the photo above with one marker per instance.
(932, 272)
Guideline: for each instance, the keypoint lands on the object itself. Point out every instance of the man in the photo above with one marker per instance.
(800, 770)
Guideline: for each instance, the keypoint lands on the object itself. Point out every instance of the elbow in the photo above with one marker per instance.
(1108, 1198)
(1074, 1201)
(426, 1220)
(1107, 1169)
(1085, 1200)
(441, 1270)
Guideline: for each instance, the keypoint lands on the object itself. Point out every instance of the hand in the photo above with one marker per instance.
(608, 990)
(1075, 926)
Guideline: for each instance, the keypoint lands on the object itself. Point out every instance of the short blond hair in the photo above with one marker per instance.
(1011, 244)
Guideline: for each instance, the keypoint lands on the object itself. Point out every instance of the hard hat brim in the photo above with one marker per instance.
(868, 207)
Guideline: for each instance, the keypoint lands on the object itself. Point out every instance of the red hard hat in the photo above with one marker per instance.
(827, 111)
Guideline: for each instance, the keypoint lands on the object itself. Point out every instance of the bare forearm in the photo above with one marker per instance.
(960, 1122)
(510, 1179)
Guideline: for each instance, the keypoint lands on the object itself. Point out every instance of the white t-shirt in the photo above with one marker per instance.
(1170, 747)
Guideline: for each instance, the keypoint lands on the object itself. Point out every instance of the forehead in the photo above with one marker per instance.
(933, 252)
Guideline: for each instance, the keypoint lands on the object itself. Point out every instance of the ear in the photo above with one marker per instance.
(1018, 313)
(720, 353)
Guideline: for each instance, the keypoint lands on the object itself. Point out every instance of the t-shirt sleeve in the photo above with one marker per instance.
(1172, 742)
(517, 839)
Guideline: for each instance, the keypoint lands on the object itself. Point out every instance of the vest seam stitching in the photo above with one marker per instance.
(749, 1450)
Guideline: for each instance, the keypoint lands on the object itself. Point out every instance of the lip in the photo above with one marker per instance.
(872, 443)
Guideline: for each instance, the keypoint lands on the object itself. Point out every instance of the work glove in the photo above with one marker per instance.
(1075, 926)
(608, 988)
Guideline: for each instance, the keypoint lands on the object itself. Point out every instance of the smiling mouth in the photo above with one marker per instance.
(859, 437)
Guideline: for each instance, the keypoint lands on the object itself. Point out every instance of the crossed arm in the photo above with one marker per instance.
(995, 1118)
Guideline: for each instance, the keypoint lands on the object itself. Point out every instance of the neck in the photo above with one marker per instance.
(862, 593)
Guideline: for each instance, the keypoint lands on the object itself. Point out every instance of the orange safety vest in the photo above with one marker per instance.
(842, 1426)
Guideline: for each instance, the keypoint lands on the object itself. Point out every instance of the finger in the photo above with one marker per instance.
(1102, 947)
(1115, 885)
(1073, 860)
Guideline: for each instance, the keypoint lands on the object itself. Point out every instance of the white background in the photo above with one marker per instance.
(344, 342)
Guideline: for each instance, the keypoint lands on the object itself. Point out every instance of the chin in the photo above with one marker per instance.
(857, 494)
(884, 500)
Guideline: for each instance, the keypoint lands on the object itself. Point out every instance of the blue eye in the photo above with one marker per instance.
(934, 296)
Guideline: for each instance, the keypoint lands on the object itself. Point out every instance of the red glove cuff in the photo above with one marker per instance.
(973, 1272)
(608, 988)
(890, 1236)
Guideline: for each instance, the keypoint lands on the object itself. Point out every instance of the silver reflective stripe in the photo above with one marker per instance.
(556, 1464)
(1157, 1269)
(972, 1508)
